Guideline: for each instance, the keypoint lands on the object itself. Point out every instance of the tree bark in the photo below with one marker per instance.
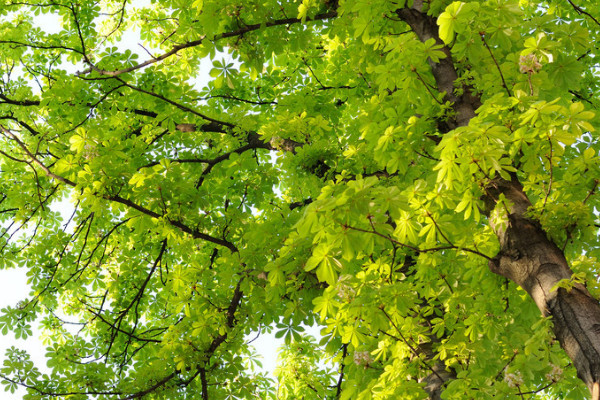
(436, 380)
(527, 257)
(425, 27)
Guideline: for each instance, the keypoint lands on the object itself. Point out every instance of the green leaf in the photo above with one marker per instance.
(447, 21)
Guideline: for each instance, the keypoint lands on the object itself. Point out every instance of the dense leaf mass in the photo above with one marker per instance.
(418, 179)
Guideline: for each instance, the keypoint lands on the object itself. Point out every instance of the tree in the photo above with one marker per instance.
(418, 178)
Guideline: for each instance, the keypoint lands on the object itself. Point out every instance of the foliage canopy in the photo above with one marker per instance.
(417, 178)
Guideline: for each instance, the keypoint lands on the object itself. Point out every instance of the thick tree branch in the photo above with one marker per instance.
(237, 33)
(49, 393)
(40, 46)
(26, 103)
(425, 27)
(254, 142)
(527, 256)
(235, 98)
(176, 104)
(121, 200)
(152, 388)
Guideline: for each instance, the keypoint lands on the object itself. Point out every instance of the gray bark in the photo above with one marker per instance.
(527, 256)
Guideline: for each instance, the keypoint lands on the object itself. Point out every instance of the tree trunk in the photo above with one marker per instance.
(528, 258)
(439, 376)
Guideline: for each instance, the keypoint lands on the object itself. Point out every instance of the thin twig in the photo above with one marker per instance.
(416, 249)
(482, 36)
(506, 365)
(121, 200)
(582, 11)
(411, 347)
(427, 86)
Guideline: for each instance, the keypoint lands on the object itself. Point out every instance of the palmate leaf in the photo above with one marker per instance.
(328, 270)
(468, 205)
(377, 170)
(320, 254)
(326, 305)
(433, 50)
(565, 72)
(540, 44)
(406, 228)
(447, 21)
